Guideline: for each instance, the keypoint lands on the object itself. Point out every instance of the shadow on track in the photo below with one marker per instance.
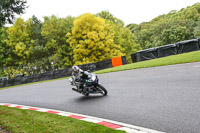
(89, 98)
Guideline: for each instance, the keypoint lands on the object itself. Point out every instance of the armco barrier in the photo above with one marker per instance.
(124, 61)
(187, 46)
(57, 73)
(167, 50)
(103, 64)
(199, 42)
(62, 73)
(134, 57)
(30, 79)
(96, 66)
(147, 54)
(90, 66)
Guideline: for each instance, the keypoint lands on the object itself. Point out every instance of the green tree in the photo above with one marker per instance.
(92, 40)
(197, 30)
(3, 50)
(108, 16)
(27, 51)
(8, 9)
(127, 40)
(174, 34)
(131, 27)
(169, 28)
(123, 35)
(38, 61)
(54, 31)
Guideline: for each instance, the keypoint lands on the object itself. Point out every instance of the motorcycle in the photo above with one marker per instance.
(91, 86)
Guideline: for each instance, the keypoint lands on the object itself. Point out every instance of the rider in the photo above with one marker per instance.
(80, 75)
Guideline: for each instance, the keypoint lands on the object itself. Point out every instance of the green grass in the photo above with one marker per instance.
(25, 121)
(170, 60)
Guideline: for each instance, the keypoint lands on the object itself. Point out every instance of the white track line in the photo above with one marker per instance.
(108, 123)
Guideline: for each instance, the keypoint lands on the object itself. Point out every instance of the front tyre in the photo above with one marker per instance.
(101, 89)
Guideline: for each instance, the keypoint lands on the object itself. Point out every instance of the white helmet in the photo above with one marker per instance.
(75, 69)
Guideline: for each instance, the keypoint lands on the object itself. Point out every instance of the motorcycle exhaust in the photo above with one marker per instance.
(76, 90)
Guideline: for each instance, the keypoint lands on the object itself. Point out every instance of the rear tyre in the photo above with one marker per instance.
(101, 89)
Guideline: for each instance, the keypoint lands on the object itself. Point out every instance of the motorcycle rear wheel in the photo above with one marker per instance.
(101, 89)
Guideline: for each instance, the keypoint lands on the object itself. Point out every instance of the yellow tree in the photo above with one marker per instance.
(92, 40)
(20, 45)
(19, 38)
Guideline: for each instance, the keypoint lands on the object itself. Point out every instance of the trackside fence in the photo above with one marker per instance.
(166, 50)
(63, 73)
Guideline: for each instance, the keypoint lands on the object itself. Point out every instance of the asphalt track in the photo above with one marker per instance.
(163, 98)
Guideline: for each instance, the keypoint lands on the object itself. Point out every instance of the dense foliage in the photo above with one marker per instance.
(34, 47)
(169, 28)
(122, 36)
(92, 40)
(3, 49)
(54, 31)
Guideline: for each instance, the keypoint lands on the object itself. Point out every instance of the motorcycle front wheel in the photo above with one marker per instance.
(101, 89)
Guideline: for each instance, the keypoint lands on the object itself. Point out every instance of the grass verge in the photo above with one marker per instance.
(170, 60)
(23, 121)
